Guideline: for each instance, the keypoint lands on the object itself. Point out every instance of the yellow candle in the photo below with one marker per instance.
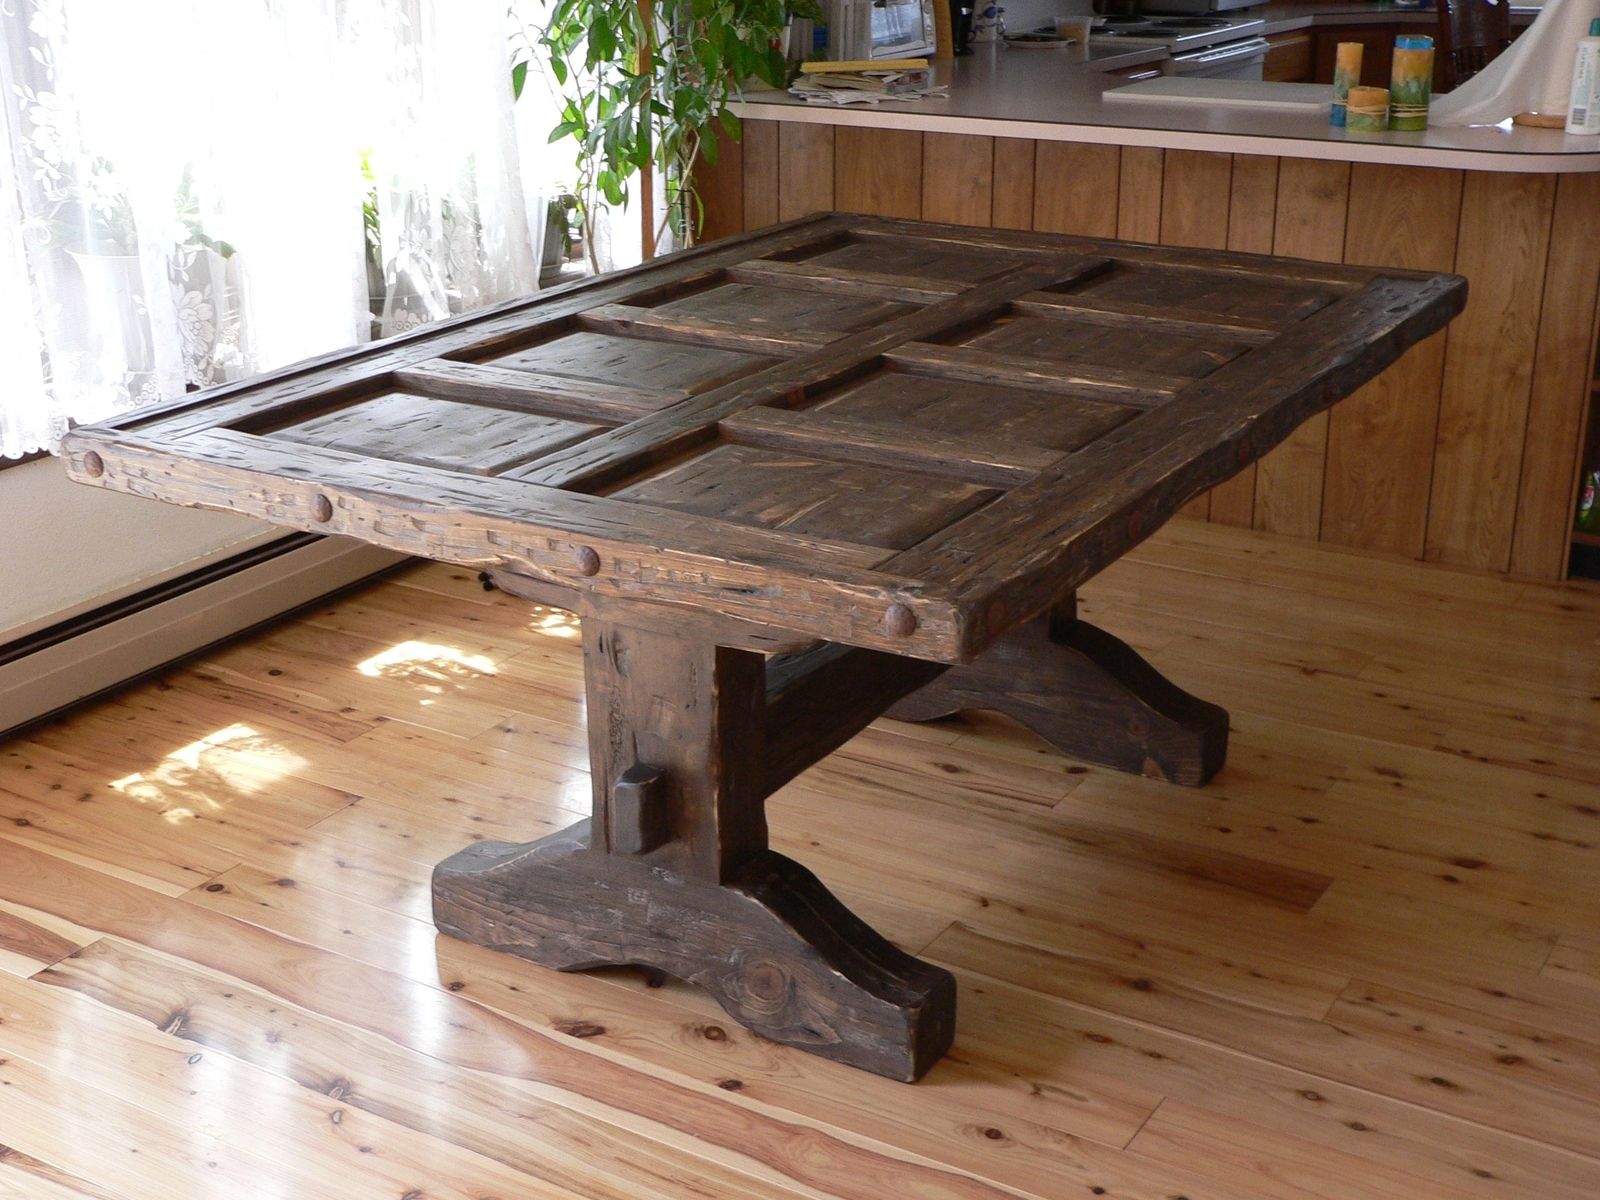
(1368, 109)
(1346, 75)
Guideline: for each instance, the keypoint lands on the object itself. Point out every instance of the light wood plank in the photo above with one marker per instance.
(1375, 495)
(1076, 189)
(1488, 370)
(878, 171)
(720, 186)
(1139, 194)
(1564, 362)
(1195, 196)
(1312, 202)
(1195, 193)
(760, 206)
(958, 178)
(1013, 183)
(1252, 212)
(805, 170)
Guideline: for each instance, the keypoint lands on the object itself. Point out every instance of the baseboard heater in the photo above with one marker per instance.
(93, 652)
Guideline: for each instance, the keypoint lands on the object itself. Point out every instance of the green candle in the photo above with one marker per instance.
(1410, 82)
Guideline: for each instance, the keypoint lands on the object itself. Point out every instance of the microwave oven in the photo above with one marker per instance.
(863, 29)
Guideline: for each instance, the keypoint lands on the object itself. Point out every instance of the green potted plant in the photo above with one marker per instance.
(646, 87)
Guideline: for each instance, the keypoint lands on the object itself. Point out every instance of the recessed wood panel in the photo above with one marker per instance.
(660, 366)
(438, 433)
(979, 412)
(1375, 495)
(870, 506)
(1087, 344)
(917, 259)
(783, 310)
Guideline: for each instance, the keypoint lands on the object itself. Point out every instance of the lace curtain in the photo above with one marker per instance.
(194, 191)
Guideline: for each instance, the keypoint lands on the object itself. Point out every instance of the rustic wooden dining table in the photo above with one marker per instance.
(792, 481)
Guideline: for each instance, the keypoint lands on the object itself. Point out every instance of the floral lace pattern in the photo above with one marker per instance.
(173, 232)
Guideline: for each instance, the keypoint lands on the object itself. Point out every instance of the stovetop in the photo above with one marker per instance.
(1176, 33)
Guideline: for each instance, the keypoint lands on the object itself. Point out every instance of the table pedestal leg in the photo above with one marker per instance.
(673, 872)
(1089, 695)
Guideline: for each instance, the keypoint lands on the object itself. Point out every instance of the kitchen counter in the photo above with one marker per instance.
(1049, 95)
(1465, 453)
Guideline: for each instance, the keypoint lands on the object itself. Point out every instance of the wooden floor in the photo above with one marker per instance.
(1364, 963)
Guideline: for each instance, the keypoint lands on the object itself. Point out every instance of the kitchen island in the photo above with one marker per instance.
(1466, 452)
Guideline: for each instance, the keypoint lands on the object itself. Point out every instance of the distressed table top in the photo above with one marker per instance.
(898, 435)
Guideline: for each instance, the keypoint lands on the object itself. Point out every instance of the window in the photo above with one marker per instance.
(192, 192)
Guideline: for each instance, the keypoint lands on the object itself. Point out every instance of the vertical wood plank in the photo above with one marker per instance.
(878, 171)
(805, 169)
(1195, 196)
(1013, 183)
(1380, 440)
(1139, 194)
(760, 174)
(1488, 368)
(721, 189)
(1562, 368)
(957, 178)
(1196, 188)
(1075, 189)
(1252, 213)
(1313, 197)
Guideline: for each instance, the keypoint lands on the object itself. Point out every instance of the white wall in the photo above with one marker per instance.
(66, 547)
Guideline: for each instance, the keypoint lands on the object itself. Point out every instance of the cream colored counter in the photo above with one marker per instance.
(1049, 95)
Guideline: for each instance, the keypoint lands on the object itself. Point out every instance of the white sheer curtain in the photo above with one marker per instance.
(193, 191)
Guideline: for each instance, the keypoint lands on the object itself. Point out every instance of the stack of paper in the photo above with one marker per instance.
(865, 82)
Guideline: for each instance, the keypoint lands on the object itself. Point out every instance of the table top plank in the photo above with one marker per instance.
(829, 589)
(886, 433)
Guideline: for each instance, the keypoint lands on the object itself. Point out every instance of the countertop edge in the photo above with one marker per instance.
(1270, 145)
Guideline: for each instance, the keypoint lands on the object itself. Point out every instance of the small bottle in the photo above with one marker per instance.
(1346, 75)
(1589, 504)
(1410, 82)
(1583, 114)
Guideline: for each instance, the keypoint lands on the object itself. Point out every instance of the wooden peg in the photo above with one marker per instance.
(639, 810)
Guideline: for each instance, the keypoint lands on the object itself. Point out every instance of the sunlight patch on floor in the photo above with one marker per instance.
(429, 665)
(554, 622)
(235, 758)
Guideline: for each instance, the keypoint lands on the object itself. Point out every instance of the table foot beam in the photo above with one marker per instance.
(773, 946)
(1089, 695)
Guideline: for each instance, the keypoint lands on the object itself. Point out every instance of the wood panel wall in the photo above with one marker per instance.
(1465, 452)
